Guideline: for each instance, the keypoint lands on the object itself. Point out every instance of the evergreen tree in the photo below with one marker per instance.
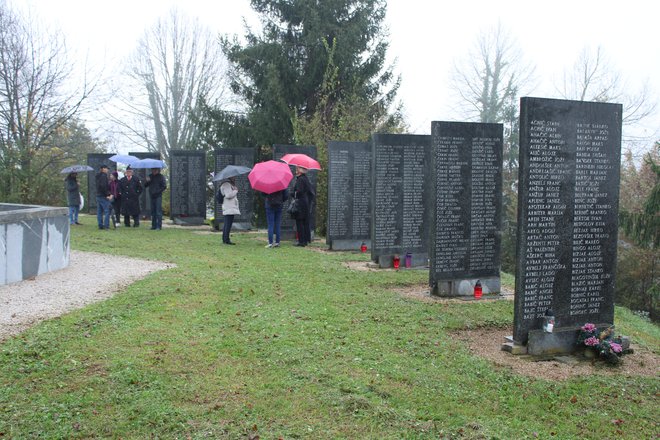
(643, 226)
(638, 284)
(353, 118)
(279, 72)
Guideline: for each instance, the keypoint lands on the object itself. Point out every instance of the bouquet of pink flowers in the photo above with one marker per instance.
(604, 343)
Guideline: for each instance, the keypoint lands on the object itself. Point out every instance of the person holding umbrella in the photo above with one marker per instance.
(103, 198)
(227, 179)
(230, 207)
(272, 178)
(130, 188)
(116, 198)
(72, 197)
(304, 195)
(156, 184)
(274, 202)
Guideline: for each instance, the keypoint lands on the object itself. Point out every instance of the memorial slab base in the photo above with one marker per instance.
(560, 341)
(348, 245)
(489, 286)
(189, 221)
(418, 260)
(514, 348)
(237, 226)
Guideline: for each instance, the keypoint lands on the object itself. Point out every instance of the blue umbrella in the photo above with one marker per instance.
(76, 169)
(124, 158)
(231, 171)
(148, 163)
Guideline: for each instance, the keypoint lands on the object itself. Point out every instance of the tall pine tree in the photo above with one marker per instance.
(279, 72)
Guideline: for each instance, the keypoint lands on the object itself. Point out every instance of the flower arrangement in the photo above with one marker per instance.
(605, 344)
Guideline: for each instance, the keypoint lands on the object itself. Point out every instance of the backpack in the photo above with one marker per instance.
(219, 197)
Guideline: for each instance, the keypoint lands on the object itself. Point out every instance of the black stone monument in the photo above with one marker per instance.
(95, 160)
(142, 173)
(567, 213)
(465, 210)
(243, 157)
(349, 190)
(288, 224)
(400, 184)
(187, 187)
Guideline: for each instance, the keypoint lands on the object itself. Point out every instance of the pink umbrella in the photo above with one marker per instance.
(269, 177)
(301, 160)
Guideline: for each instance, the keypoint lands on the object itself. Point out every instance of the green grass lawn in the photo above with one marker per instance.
(246, 342)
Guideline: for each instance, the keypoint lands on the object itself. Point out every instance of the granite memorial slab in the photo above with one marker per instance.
(288, 224)
(465, 207)
(349, 190)
(400, 186)
(246, 195)
(568, 199)
(188, 187)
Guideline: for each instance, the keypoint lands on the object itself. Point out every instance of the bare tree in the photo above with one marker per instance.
(487, 85)
(34, 101)
(177, 64)
(490, 77)
(594, 78)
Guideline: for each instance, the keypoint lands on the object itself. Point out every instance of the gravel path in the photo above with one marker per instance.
(83, 282)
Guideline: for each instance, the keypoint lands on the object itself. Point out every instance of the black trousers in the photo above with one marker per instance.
(304, 232)
(127, 220)
(116, 205)
(226, 227)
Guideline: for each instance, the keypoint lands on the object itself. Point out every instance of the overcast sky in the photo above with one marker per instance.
(426, 38)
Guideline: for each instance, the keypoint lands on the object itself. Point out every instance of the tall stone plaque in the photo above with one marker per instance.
(141, 173)
(349, 190)
(465, 210)
(243, 157)
(289, 224)
(95, 160)
(400, 186)
(187, 187)
(567, 213)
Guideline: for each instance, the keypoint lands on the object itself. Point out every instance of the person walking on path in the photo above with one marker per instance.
(72, 197)
(116, 199)
(156, 184)
(230, 207)
(304, 194)
(274, 203)
(103, 198)
(131, 188)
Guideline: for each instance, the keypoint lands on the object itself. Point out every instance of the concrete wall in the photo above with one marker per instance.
(33, 240)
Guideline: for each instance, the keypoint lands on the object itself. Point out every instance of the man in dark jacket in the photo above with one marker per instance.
(73, 197)
(130, 188)
(303, 193)
(103, 198)
(156, 184)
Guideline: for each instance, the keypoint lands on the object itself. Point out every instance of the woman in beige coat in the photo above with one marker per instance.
(229, 207)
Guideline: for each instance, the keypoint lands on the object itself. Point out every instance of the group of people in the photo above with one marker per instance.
(116, 197)
(303, 193)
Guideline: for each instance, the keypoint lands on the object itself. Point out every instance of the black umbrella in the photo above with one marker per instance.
(231, 171)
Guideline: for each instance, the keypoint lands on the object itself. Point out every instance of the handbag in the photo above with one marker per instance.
(294, 208)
